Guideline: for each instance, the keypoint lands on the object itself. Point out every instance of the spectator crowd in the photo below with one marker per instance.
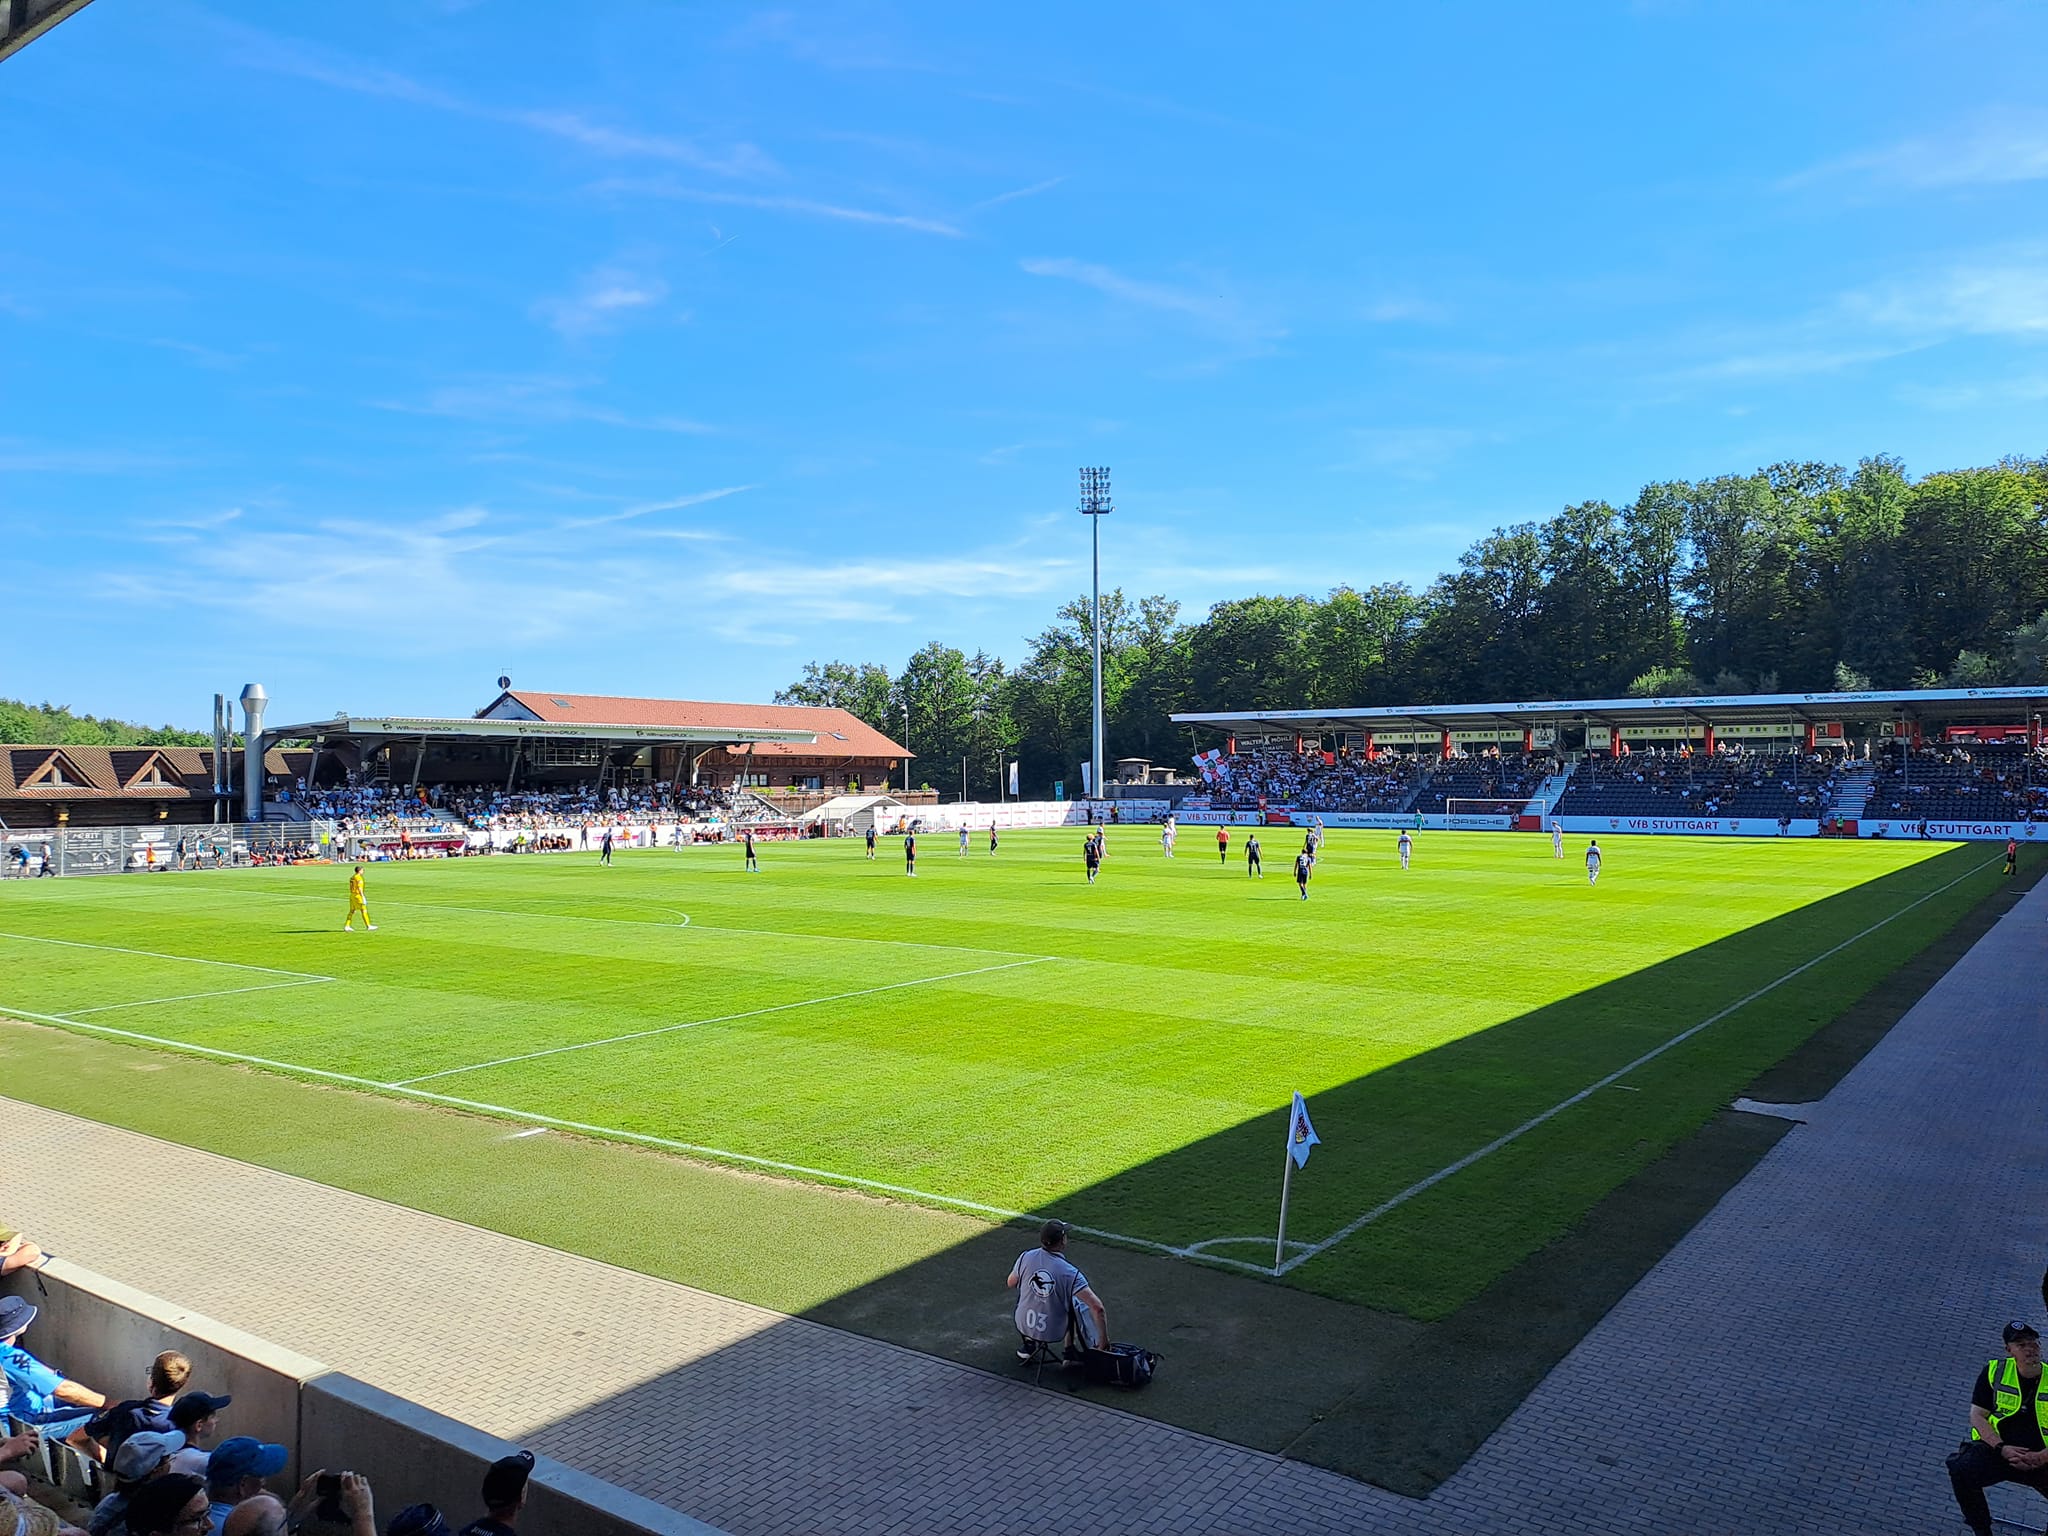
(74, 1461)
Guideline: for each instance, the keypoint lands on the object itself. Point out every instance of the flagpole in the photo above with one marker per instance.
(1286, 1180)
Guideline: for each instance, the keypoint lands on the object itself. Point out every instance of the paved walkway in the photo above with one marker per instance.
(1800, 1363)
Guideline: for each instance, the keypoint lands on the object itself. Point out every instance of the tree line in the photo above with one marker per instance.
(1798, 578)
(53, 724)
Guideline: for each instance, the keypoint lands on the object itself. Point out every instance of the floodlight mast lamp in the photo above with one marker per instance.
(1095, 505)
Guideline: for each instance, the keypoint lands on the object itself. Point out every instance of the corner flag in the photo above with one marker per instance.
(1301, 1135)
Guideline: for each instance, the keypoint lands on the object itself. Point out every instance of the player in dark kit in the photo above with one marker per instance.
(1303, 867)
(1252, 868)
(604, 852)
(991, 839)
(871, 839)
(910, 854)
(1091, 855)
(753, 863)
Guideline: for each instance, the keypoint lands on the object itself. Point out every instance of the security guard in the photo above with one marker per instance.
(2007, 1417)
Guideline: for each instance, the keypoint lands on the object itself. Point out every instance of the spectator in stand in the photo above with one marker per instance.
(349, 1511)
(235, 1472)
(24, 1517)
(143, 1455)
(172, 1505)
(504, 1495)
(17, 1252)
(38, 1394)
(168, 1373)
(264, 1515)
(196, 1417)
(418, 1520)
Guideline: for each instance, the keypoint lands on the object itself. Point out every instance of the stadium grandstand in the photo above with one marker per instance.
(1953, 762)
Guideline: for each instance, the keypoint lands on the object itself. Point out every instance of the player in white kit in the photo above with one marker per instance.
(1166, 837)
(1407, 846)
(963, 839)
(1557, 839)
(1592, 863)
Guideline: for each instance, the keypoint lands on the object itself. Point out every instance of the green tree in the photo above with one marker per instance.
(862, 689)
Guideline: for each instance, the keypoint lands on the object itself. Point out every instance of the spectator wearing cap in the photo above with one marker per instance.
(264, 1515)
(1050, 1294)
(418, 1520)
(144, 1455)
(168, 1373)
(195, 1416)
(171, 1505)
(2008, 1415)
(504, 1494)
(39, 1394)
(235, 1472)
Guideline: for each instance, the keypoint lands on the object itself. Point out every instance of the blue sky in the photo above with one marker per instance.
(373, 349)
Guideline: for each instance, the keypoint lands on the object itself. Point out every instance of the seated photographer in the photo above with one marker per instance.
(1051, 1297)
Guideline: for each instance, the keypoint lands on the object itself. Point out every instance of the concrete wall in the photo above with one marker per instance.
(103, 1334)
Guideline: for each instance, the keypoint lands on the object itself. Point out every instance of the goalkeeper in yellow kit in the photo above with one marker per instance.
(356, 904)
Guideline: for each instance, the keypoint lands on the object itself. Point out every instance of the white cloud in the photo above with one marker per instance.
(532, 399)
(603, 300)
(285, 56)
(1017, 194)
(1412, 453)
(672, 504)
(1999, 294)
(804, 207)
(1999, 148)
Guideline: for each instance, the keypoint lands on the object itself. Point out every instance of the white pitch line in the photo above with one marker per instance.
(727, 1018)
(187, 997)
(1420, 1186)
(611, 1133)
(115, 949)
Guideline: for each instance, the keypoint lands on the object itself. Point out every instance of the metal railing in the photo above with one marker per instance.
(158, 847)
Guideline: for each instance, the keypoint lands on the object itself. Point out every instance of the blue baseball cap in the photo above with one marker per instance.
(242, 1456)
(15, 1315)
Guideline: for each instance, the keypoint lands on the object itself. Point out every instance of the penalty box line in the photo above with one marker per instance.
(609, 1133)
(1423, 1185)
(727, 1018)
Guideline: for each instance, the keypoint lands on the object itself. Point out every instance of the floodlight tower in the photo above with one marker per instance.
(1095, 506)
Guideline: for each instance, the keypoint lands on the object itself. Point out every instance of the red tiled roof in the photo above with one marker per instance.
(840, 733)
(106, 772)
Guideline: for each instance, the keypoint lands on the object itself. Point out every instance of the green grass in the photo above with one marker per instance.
(1000, 1034)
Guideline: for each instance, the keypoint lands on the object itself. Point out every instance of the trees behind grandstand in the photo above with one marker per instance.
(1800, 577)
(53, 723)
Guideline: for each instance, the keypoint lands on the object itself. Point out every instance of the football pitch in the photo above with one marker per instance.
(1488, 1045)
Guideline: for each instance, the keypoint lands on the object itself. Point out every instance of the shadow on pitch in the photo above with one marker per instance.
(1365, 1390)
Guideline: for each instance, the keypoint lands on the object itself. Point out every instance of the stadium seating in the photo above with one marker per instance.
(1484, 777)
(1988, 782)
(1767, 785)
(1344, 782)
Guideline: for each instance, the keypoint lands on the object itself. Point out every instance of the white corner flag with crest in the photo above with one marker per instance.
(1301, 1139)
(1301, 1134)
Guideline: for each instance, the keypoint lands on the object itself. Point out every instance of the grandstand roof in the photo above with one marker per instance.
(793, 729)
(1936, 706)
(64, 774)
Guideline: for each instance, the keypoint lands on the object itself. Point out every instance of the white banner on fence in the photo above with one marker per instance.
(1955, 831)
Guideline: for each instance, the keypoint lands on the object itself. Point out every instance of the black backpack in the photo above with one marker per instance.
(1120, 1365)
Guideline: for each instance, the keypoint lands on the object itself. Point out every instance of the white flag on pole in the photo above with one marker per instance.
(1301, 1134)
(1013, 778)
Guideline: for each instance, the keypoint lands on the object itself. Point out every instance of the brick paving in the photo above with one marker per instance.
(1798, 1364)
